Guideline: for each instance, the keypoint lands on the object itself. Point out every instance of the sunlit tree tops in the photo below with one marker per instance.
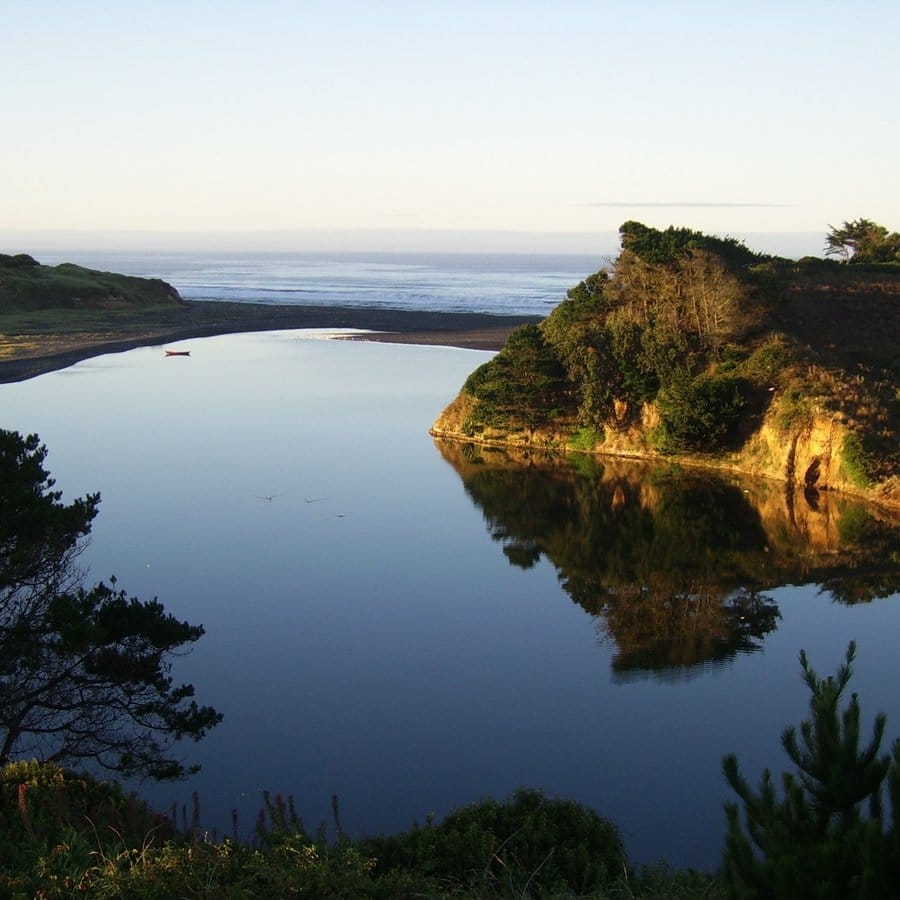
(863, 241)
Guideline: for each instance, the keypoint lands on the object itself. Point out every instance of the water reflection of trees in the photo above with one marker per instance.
(677, 633)
(672, 565)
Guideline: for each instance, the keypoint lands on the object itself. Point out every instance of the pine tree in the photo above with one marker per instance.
(826, 836)
(85, 672)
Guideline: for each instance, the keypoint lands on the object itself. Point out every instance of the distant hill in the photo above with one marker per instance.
(26, 285)
(697, 349)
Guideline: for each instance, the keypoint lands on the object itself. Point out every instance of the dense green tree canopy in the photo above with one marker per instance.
(524, 382)
(863, 241)
(651, 326)
(84, 672)
(660, 247)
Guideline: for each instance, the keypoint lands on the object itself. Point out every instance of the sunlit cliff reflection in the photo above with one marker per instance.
(674, 565)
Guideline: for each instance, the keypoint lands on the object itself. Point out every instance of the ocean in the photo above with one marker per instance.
(498, 283)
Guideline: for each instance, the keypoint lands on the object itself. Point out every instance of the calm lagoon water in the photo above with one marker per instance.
(386, 625)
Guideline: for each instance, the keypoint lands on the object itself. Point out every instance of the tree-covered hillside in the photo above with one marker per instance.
(688, 344)
(27, 285)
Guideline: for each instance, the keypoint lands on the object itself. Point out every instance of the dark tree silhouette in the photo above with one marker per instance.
(862, 240)
(826, 836)
(84, 672)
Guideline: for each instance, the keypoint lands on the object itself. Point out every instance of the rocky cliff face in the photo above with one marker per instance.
(809, 456)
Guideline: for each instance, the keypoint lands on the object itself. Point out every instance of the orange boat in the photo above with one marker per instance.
(178, 352)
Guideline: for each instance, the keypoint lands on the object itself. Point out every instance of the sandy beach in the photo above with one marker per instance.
(30, 351)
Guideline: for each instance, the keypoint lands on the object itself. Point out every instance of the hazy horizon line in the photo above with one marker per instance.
(576, 242)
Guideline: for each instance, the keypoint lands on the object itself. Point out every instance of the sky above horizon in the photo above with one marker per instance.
(390, 122)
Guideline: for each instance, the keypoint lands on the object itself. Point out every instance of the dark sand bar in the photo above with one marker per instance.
(55, 342)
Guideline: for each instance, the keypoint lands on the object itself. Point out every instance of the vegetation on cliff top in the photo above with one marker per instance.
(693, 340)
(27, 285)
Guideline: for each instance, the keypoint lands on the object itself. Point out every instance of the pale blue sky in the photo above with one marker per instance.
(560, 118)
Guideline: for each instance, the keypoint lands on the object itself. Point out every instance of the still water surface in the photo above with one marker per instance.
(413, 627)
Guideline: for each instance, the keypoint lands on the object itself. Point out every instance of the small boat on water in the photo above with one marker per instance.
(178, 352)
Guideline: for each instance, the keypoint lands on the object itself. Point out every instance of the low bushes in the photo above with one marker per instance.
(71, 836)
(527, 844)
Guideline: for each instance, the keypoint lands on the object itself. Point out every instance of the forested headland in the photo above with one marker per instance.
(695, 348)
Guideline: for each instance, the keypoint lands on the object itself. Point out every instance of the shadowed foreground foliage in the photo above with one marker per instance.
(827, 836)
(529, 843)
(66, 835)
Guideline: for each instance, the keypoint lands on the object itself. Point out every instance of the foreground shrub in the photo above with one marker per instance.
(42, 805)
(527, 845)
(826, 837)
(72, 836)
(55, 823)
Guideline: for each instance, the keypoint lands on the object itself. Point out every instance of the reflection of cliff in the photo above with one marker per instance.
(673, 565)
(664, 632)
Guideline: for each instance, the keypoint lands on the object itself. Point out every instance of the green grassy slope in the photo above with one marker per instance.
(26, 285)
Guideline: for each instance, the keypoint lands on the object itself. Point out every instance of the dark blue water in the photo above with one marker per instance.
(374, 629)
